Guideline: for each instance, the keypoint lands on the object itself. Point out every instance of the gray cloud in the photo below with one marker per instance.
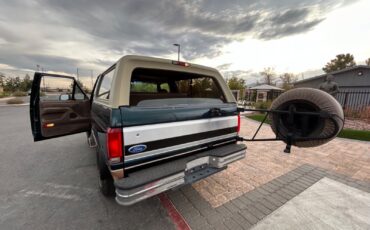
(290, 16)
(48, 62)
(30, 31)
(282, 30)
(292, 21)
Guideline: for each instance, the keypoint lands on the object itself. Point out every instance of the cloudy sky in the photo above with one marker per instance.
(240, 37)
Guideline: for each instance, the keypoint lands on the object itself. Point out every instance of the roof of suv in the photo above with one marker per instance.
(120, 91)
(161, 60)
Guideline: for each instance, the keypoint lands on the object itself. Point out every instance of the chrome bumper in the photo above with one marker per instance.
(207, 166)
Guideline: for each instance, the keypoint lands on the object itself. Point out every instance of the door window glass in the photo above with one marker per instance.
(56, 88)
(79, 95)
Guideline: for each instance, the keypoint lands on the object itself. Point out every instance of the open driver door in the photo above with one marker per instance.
(58, 106)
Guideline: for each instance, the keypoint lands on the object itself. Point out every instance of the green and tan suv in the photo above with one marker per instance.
(156, 124)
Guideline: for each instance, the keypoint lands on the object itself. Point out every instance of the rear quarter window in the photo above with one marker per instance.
(105, 84)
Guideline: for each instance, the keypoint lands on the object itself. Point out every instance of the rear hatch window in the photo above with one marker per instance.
(153, 88)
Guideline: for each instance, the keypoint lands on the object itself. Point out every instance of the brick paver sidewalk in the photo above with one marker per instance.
(252, 188)
(266, 161)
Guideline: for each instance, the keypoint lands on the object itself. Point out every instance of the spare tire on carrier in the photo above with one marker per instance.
(317, 130)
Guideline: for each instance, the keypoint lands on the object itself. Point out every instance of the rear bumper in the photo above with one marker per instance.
(193, 169)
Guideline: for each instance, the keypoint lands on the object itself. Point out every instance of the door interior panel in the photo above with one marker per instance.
(64, 117)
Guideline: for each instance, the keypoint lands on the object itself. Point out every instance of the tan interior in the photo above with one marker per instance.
(64, 117)
(135, 98)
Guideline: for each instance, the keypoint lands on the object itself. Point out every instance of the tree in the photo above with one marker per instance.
(2, 79)
(288, 79)
(12, 84)
(236, 83)
(26, 83)
(341, 61)
(268, 75)
(367, 61)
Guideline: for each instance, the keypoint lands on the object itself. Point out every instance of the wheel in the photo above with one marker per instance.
(106, 183)
(107, 187)
(307, 100)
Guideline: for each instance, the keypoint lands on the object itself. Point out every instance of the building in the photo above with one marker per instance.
(236, 94)
(265, 92)
(355, 78)
(353, 83)
(1, 89)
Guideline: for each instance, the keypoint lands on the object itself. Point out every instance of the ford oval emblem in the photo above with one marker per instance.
(137, 149)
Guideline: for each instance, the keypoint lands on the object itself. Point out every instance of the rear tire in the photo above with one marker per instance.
(107, 187)
(106, 183)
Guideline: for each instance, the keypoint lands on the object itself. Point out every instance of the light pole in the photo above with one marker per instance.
(77, 74)
(178, 51)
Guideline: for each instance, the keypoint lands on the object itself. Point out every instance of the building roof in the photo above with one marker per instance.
(266, 87)
(335, 72)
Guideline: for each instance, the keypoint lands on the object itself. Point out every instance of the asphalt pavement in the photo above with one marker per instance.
(53, 184)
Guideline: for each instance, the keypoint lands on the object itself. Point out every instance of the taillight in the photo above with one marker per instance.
(238, 127)
(114, 144)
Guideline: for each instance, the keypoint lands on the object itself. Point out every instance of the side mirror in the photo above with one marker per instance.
(64, 97)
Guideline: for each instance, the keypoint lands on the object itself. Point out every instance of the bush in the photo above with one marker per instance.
(15, 101)
(20, 94)
(4, 94)
(363, 113)
(262, 105)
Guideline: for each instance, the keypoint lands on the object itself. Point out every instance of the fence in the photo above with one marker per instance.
(356, 101)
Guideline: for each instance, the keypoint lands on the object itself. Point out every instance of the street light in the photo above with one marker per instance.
(178, 51)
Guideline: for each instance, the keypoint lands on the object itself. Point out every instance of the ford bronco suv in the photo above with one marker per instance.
(156, 124)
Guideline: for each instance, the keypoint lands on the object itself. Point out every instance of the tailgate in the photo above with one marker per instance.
(173, 136)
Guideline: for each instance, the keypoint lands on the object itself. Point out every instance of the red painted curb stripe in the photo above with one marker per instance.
(172, 212)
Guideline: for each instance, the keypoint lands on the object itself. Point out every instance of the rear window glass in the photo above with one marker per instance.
(152, 87)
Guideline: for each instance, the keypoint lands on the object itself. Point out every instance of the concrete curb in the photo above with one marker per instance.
(6, 98)
(11, 105)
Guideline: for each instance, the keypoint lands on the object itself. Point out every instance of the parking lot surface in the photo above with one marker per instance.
(53, 184)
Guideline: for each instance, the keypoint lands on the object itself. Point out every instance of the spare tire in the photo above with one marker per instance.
(307, 100)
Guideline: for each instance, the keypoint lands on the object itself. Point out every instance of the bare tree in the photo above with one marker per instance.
(288, 79)
(268, 75)
(367, 61)
(2, 79)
